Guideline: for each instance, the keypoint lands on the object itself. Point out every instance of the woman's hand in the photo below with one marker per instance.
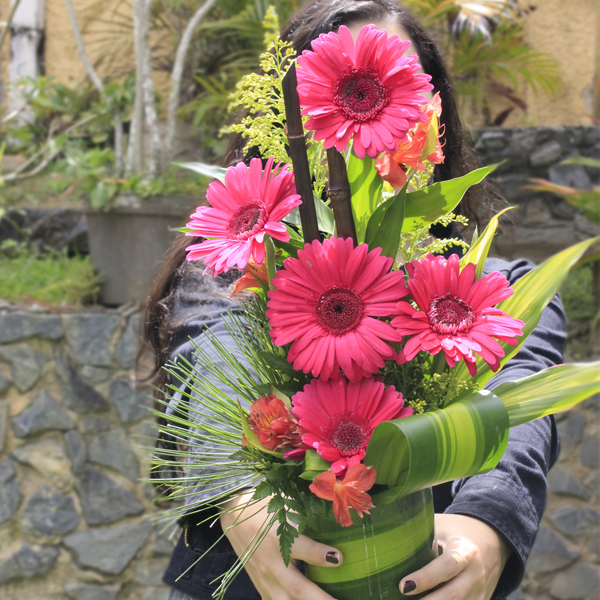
(273, 580)
(474, 555)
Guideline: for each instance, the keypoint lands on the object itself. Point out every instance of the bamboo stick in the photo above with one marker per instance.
(340, 195)
(297, 144)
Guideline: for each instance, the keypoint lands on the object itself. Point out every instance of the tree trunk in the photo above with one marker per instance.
(98, 84)
(141, 24)
(177, 74)
(26, 37)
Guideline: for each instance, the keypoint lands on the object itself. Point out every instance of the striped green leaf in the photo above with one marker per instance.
(480, 248)
(464, 439)
(549, 391)
(532, 293)
(425, 206)
(379, 549)
(366, 187)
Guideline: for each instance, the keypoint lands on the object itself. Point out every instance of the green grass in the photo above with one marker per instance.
(49, 278)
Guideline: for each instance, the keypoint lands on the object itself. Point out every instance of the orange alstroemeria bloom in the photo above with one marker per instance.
(273, 423)
(350, 492)
(423, 144)
(250, 277)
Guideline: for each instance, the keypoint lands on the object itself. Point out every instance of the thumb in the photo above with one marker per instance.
(316, 554)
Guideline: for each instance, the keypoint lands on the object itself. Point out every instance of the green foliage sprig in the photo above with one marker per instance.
(415, 245)
(262, 96)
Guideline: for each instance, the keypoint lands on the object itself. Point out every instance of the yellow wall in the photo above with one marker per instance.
(565, 29)
(107, 37)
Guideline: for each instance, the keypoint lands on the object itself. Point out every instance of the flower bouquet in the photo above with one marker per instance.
(353, 379)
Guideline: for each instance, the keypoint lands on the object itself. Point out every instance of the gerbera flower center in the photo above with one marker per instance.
(349, 434)
(450, 315)
(246, 219)
(339, 310)
(360, 94)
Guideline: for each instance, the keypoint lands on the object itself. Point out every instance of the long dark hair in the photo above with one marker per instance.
(313, 19)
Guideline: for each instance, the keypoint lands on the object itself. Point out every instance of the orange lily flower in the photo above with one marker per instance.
(273, 423)
(423, 144)
(249, 279)
(350, 492)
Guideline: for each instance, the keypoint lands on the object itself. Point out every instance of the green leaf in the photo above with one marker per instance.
(287, 533)
(314, 465)
(532, 293)
(466, 438)
(479, 250)
(285, 399)
(263, 490)
(366, 187)
(425, 206)
(584, 161)
(549, 391)
(325, 217)
(275, 504)
(290, 248)
(385, 225)
(212, 171)
(293, 218)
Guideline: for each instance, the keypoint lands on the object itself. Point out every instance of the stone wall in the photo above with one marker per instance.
(74, 514)
(542, 223)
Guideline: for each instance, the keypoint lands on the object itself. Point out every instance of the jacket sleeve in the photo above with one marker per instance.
(512, 497)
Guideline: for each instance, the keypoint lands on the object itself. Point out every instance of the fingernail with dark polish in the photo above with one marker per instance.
(409, 586)
(333, 558)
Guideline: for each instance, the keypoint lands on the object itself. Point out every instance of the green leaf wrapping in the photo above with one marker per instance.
(379, 549)
(549, 391)
(366, 187)
(532, 293)
(467, 438)
(425, 206)
(385, 225)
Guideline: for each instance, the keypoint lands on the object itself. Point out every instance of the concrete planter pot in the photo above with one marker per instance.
(128, 243)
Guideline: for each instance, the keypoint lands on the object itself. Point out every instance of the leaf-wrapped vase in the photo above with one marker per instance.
(394, 540)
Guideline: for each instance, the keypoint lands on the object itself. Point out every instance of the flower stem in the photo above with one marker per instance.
(270, 258)
(438, 364)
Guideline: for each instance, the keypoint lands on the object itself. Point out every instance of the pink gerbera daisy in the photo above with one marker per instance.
(250, 205)
(455, 313)
(326, 302)
(338, 417)
(368, 91)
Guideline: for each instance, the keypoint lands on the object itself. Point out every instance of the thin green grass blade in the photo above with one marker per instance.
(464, 439)
(549, 391)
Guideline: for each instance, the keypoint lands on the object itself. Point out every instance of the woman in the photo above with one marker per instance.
(485, 524)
